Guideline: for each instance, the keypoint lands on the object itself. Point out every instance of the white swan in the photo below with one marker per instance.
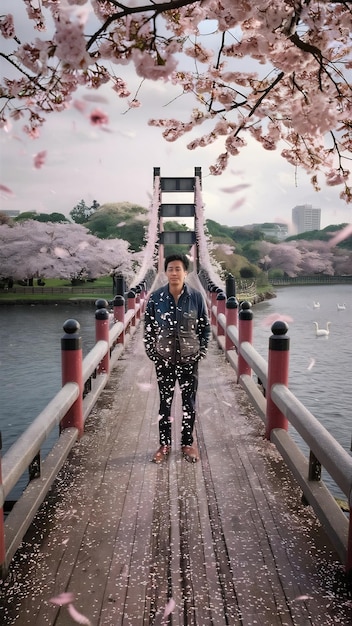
(320, 332)
(341, 307)
(316, 305)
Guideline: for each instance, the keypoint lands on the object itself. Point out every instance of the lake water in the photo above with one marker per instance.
(320, 367)
(319, 373)
(30, 360)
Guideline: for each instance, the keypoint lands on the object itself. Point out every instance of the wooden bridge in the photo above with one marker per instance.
(224, 541)
(119, 540)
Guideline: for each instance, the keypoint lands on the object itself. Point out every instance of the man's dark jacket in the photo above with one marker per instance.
(184, 326)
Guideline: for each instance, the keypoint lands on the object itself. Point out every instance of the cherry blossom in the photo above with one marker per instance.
(7, 28)
(59, 250)
(278, 71)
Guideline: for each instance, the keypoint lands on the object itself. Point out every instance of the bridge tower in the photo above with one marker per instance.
(176, 185)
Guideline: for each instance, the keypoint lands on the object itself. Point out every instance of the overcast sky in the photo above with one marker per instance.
(115, 164)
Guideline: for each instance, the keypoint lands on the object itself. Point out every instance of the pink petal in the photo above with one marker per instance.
(95, 98)
(5, 189)
(78, 617)
(79, 105)
(274, 317)
(341, 235)
(169, 607)
(235, 188)
(144, 386)
(39, 159)
(98, 118)
(237, 204)
(64, 598)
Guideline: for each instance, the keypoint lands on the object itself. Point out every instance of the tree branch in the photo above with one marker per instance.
(156, 9)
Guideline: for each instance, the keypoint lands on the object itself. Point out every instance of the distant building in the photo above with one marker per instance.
(304, 218)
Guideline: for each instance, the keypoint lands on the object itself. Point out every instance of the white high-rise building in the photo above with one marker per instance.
(304, 218)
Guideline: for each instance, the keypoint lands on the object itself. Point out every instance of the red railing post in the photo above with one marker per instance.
(71, 367)
(245, 333)
(131, 300)
(213, 295)
(138, 302)
(119, 315)
(278, 361)
(220, 308)
(102, 333)
(231, 320)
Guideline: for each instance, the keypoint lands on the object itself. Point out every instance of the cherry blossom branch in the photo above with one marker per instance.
(155, 8)
(33, 79)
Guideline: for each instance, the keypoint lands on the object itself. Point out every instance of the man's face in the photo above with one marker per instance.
(176, 274)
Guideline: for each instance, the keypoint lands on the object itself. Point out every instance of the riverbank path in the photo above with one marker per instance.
(225, 541)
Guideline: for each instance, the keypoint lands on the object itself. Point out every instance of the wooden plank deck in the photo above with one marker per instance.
(227, 539)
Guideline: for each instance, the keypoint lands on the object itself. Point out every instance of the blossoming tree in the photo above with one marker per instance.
(276, 70)
(34, 249)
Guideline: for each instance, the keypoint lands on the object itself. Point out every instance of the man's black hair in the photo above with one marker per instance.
(177, 257)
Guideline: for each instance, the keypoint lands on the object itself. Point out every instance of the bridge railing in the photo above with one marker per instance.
(267, 391)
(83, 381)
(266, 384)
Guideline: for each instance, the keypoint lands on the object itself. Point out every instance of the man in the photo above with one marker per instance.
(176, 335)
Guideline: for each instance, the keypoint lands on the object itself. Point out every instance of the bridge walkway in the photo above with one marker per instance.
(223, 541)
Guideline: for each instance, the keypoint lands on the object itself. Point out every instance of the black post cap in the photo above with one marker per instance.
(101, 304)
(119, 301)
(231, 303)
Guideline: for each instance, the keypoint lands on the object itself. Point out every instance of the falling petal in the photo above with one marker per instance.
(95, 98)
(303, 598)
(341, 235)
(39, 159)
(237, 204)
(169, 607)
(274, 317)
(311, 364)
(124, 571)
(78, 617)
(64, 598)
(79, 105)
(6, 189)
(98, 118)
(144, 386)
(235, 188)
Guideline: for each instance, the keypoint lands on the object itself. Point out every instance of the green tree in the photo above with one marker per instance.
(51, 217)
(40, 217)
(81, 213)
(26, 215)
(121, 220)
